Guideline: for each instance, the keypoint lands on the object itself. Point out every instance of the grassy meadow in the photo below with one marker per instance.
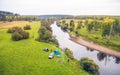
(26, 57)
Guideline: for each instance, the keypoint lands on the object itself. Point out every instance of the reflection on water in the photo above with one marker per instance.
(89, 49)
(108, 65)
(117, 60)
(101, 56)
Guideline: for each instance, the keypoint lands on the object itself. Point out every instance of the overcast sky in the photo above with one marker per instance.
(71, 7)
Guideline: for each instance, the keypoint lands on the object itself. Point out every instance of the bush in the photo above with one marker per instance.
(25, 35)
(69, 53)
(55, 41)
(27, 27)
(45, 35)
(16, 36)
(89, 66)
(18, 33)
(14, 29)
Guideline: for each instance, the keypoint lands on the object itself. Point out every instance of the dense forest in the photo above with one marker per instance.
(9, 16)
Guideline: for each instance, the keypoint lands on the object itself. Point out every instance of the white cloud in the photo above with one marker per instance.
(75, 7)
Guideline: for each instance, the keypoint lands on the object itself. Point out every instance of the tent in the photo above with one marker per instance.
(56, 52)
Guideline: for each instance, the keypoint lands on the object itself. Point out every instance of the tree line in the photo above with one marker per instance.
(104, 26)
(19, 18)
(45, 32)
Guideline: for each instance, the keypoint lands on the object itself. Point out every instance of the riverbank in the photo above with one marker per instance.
(26, 57)
(94, 46)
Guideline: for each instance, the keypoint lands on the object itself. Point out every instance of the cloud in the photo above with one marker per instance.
(75, 7)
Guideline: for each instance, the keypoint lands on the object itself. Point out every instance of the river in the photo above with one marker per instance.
(107, 65)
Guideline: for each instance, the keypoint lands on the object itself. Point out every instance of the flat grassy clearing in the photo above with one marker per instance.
(26, 57)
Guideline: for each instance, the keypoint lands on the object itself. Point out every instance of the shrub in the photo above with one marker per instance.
(25, 35)
(16, 36)
(89, 65)
(14, 29)
(18, 33)
(45, 35)
(69, 53)
(27, 27)
(55, 41)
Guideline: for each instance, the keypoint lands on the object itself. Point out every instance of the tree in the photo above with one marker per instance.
(15, 29)
(96, 25)
(18, 33)
(46, 23)
(106, 29)
(69, 53)
(27, 27)
(79, 26)
(89, 24)
(16, 36)
(46, 36)
(72, 25)
(89, 65)
(116, 27)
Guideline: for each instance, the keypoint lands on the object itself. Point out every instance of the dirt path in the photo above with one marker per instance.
(95, 46)
(11, 24)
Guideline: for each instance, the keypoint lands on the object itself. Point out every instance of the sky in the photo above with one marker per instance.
(70, 7)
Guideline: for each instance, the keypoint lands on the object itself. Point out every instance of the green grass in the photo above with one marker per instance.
(26, 57)
(91, 36)
(95, 36)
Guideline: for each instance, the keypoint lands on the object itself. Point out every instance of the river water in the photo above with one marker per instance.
(107, 65)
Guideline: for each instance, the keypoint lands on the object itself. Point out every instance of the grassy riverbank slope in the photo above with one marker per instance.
(92, 36)
(26, 57)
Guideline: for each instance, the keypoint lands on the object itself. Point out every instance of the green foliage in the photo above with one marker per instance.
(14, 29)
(46, 23)
(69, 53)
(25, 35)
(79, 26)
(89, 25)
(116, 27)
(27, 57)
(45, 35)
(106, 29)
(96, 29)
(20, 18)
(27, 27)
(96, 25)
(89, 66)
(16, 36)
(72, 25)
(64, 25)
(18, 33)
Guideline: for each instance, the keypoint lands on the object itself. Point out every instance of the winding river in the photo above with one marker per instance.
(108, 65)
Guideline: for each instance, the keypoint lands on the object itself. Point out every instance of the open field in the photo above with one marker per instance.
(26, 57)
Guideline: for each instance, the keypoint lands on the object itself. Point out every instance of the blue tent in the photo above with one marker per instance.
(56, 52)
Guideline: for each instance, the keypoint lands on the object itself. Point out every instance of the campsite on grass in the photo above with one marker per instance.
(59, 37)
